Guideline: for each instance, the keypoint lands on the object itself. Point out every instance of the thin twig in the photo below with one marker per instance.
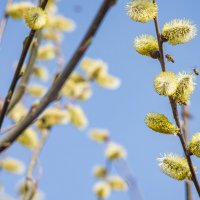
(31, 185)
(17, 75)
(4, 21)
(175, 111)
(19, 92)
(185, 117)
(59, 82)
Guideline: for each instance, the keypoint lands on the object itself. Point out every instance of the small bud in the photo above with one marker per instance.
(160, 123)
(115, 151)
(35, 18)
(117, 183)
(194, 145)
(142, 10)
(179, 31)
(166, 83)
(102, 190)
(99, 135)
(185, 88)
(100, 171)
(146, 45)
(12, 165)
(174, 166)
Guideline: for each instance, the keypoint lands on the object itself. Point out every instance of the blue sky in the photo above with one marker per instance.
(69, 155)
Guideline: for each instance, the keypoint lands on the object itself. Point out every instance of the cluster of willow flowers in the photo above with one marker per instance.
(106, 182)
(178, 87)
(45, 47)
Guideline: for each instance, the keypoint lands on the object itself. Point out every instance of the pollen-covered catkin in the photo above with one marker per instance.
(35, 18)
(160, 123)
(166, 83)
(184, 89)
(174, 166)
(194, 145)
(179, 31)
(142, 10)
(145, 44)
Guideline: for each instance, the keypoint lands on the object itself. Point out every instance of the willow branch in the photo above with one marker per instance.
(19, 92)
(59, 82)
(17, 75)
(185, 127)
(31, 185)
(4, 21)
(124, 171)
(175, 111)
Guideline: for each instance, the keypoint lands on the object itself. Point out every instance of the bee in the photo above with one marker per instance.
(169, 58)
(195, 70)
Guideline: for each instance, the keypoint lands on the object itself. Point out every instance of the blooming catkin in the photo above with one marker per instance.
(185, 88)
(179, 31)
(160, 123)
(142, 10)
(174, 166)
(166, 83)
(145, 44)
(35, 18)
(194, 145)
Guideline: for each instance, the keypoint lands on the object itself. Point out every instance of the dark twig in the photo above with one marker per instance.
(57, 85)
(175, 111)
(26, 45)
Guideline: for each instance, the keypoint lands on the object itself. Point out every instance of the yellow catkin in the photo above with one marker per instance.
(185, 88)
(12, 165)
(102, 190)
(117, 183)
(194, 145)
(145, 44)
(77, 116)
(77, 87)
(35, 18)
(99, 135)
(100, 171)
(174, 166)
(160, 123)
(28, 138)
(41, 73)
(46, 52)
(115, 151)
(17, 10)
(179, 31)
(142, 10)
(51, 117)
(166, 83)
(36, 90)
